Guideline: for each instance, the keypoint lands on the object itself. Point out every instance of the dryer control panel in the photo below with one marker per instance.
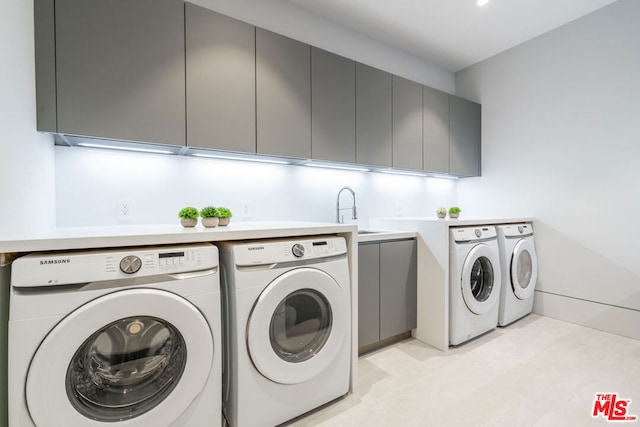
(66, 268)
(278, 251)
(517, 230)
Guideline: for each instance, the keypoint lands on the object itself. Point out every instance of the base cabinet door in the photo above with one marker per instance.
(368, 294)
(398, 287)
(387, 290)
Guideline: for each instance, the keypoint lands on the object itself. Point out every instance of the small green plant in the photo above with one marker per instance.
(209, 212)
(454, 210)
(441, 211)
(188, 213)
(224, 213)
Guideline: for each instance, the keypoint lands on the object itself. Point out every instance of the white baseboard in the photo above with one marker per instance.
(608, 318)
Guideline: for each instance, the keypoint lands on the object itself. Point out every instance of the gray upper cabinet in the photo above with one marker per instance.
(333, 107)
(120, 69)
(220, 73)
(407, 124)
(398, 287)
(435, 110)
(465, 137)
(373, 116)
(283, 95)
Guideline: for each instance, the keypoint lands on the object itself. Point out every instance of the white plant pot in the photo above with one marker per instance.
(189, 222)
(210, 222)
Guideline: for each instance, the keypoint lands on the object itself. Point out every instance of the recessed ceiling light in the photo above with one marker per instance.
(482, 2)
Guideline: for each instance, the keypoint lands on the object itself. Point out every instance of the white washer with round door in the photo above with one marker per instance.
(519, 271)
(127, 337)
(474, 288)
(288, 328)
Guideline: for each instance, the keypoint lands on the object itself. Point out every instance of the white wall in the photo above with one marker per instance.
(27, 199)
(91, 182)
(561, 142)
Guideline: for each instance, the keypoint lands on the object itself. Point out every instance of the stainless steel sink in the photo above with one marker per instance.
(361, 232)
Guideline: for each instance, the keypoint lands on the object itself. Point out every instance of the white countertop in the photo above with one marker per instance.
(381, 235)
(448, 222)
(161, 234)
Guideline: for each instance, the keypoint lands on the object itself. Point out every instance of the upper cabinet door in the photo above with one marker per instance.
(120, 69)
(465, 137)
(283, 95)
(373, 116)
(221, 106)
(435, 108)
(407, 124)
(333, 107)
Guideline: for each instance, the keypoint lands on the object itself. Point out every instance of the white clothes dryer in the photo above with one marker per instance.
(474, 288)
(288, 328)
(127, 337)
(519, 271)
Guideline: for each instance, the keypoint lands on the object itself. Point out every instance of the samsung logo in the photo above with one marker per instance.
(256, 248)
(55, 261)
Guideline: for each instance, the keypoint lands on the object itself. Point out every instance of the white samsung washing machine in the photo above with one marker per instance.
(126, 337)
(519, 271)
(288, 328)
(474, 286)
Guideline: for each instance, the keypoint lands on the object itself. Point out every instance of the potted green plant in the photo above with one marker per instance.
(188, 216)
(209, 216)
(454, 212)
(441, 212)
(224, 215)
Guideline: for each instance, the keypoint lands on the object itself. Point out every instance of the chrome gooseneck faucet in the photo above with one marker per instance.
(354, 215)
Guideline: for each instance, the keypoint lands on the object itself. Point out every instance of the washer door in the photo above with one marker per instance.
(524, 269)
(298, 325)
(480, 279)
(134, 357)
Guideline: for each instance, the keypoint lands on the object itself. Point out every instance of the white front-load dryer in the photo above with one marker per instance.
(126, 337)
(288, 328)
(519, 271)
(474, 287)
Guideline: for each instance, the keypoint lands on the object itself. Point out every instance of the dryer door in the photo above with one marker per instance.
(524, 269)
(134, 357)
(480, 279)
(298, 325)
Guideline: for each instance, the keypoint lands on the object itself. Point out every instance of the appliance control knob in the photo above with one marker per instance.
(478, 232)
(130, 264)
(520, 229)
(297, 250)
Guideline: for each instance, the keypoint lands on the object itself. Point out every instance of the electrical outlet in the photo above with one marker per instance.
(124, 210)
(398, 209)
(245, 208)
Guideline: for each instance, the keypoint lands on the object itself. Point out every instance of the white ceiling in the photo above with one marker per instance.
(453, 34)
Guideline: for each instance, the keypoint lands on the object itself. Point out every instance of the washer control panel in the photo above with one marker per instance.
(279, 251)
(517, 230)
(470, 234)
(64, 268)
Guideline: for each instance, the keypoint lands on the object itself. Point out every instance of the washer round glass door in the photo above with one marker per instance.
(480, 280)
(524, 269)
(138, 357)
(298, 325)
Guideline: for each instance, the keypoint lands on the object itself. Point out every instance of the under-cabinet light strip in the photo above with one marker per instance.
(116, 147)
(330, 166)
(400, 172)
(245, 159)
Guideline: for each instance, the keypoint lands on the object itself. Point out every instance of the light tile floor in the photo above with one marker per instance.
(535, 372)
